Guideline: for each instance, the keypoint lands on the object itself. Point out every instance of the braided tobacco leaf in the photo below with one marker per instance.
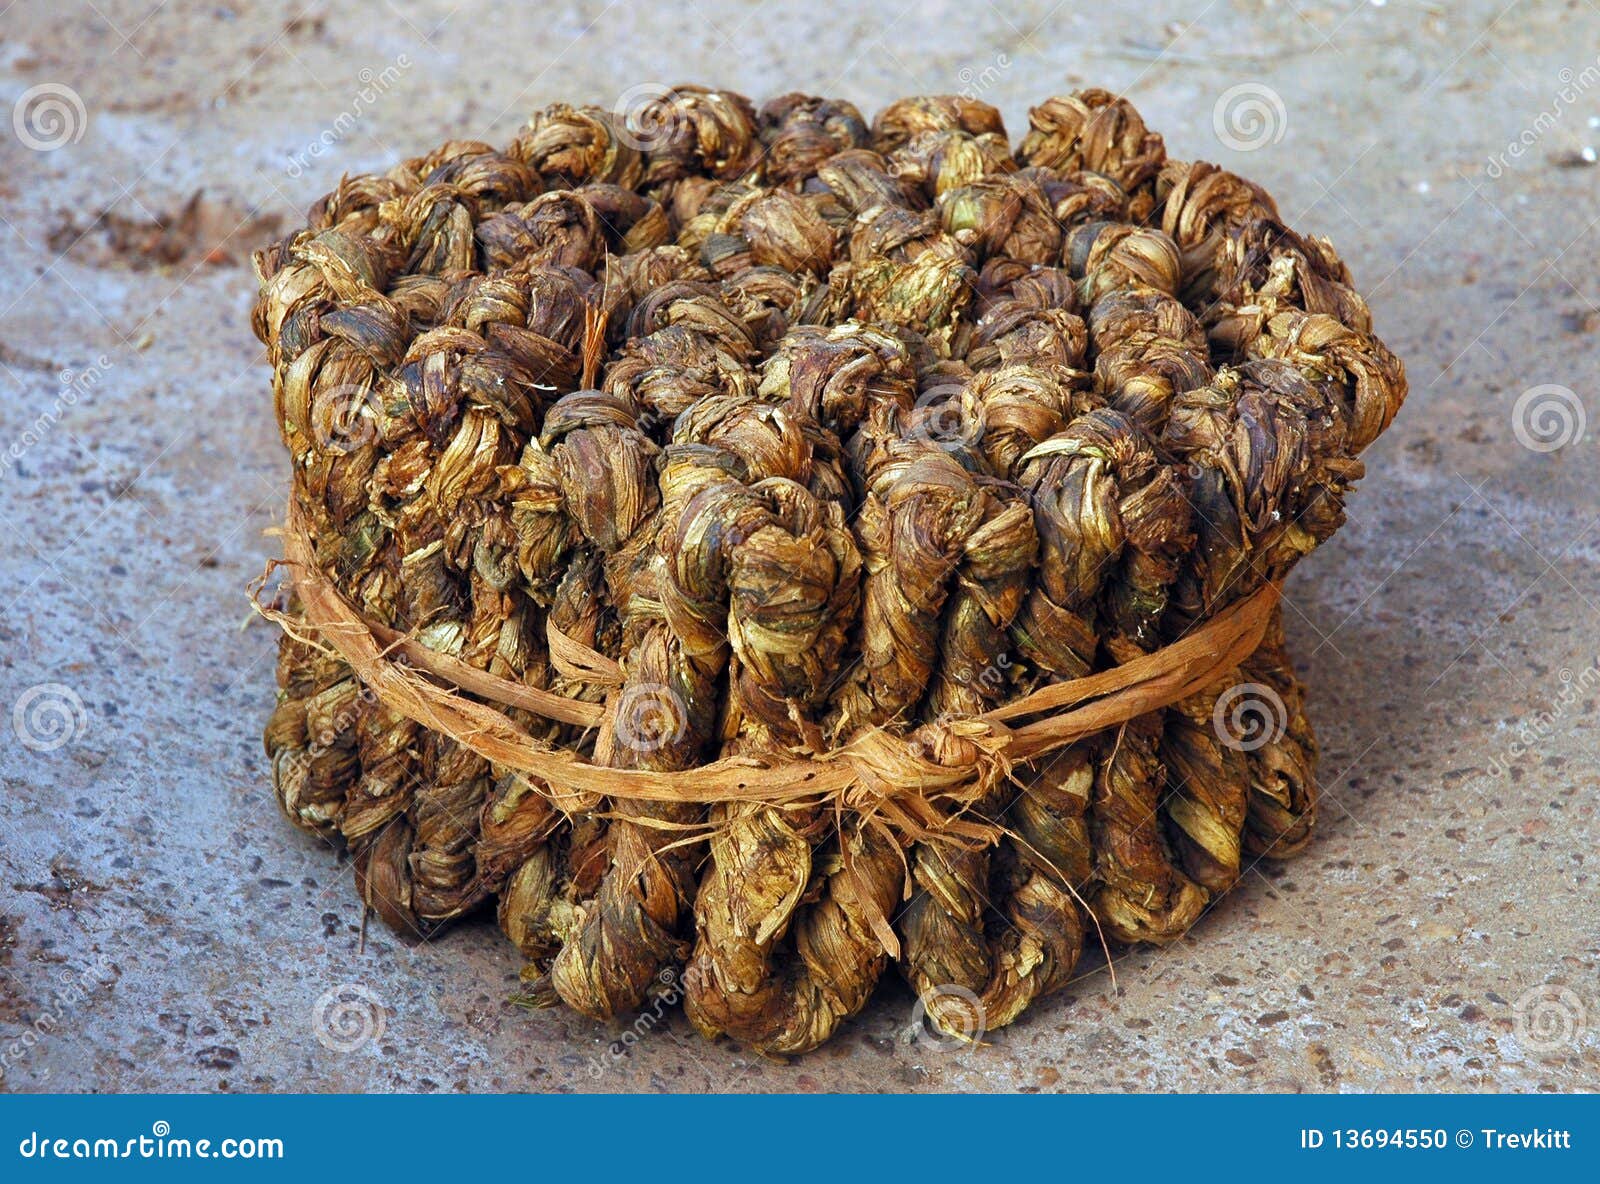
(1283, 781)
(940, 161)
(1272, 456)
(310, 738)
(754, 431)
(1143, 896)
(1078, 481)
(1245, 438)
(1095, 131)
(582, 495)
(1112, 522)
(904, 119)
(1209, 779)
(770, 968)
(799, 133)
(1201, 206)
(1148, 348)
(1263, 268)
(1003, 927)
(1110, 257)
(571, 146)
(1360, 377)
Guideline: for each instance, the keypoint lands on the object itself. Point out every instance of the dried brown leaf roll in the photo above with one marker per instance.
(705, 442)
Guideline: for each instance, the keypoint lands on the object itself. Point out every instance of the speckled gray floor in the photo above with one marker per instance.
(162, 928)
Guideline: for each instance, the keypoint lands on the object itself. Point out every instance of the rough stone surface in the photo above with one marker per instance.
(161, 927)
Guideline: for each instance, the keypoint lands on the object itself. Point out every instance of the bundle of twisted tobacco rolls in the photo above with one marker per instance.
(812, 426)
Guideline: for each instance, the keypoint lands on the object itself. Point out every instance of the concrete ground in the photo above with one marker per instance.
(161, 927)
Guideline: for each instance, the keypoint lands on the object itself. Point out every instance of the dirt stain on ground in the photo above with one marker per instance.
(203, 231)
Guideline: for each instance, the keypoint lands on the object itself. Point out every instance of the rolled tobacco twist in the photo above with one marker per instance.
(751, 547)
